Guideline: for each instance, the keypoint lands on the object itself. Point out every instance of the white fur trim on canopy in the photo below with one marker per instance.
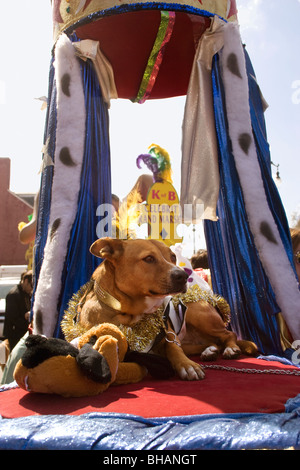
(69, 150)
(261, 221)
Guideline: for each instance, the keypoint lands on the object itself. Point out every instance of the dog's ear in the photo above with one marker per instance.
(108, 248)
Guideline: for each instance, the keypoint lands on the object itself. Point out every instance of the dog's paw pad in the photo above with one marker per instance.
(191, 372)
(231, 353)
(209, 354)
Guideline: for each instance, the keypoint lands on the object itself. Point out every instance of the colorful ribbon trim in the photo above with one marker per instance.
(155, 59)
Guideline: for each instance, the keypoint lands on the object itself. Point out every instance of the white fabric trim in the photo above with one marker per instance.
(89, 49)
(200, 179)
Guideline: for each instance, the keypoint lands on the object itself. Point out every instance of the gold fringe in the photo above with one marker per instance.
(143, 333)
(139, 335)
(70, 327)
(195, 293)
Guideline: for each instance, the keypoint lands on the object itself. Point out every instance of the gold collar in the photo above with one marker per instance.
(107, 298)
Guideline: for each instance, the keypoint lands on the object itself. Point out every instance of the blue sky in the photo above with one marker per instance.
(270, 30)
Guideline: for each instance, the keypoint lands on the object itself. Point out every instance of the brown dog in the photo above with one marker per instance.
(133, 280)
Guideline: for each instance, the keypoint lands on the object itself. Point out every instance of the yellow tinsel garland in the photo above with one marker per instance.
(143, 333)
(139, 335)
(70, 327)
(195, 293)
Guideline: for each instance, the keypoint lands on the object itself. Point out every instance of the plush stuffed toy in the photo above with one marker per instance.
(52, 365)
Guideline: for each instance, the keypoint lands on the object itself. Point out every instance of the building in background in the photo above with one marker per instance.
(14, 208)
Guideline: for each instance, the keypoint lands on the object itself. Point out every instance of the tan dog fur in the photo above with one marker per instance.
(139, 274)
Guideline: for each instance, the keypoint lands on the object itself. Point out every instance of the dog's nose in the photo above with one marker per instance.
(179, 275)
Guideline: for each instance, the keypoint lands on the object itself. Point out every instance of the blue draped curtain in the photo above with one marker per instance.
(237, 273)
(95, 189)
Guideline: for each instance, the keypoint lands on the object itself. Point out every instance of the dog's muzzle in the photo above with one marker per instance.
(178, 279)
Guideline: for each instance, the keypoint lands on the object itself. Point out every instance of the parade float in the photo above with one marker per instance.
(112, 49)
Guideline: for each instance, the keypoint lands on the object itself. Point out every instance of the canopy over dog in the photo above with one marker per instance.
(143, 50)
(150, 45)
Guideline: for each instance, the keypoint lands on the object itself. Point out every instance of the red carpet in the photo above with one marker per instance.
(220, 392)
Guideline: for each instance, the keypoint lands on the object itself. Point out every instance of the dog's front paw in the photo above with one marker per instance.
(210, 354)
(231, 353)
(190, 371)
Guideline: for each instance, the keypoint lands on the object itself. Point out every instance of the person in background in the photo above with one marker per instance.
(13, 359)
(17, 310)
(199, 262)
(115, 202)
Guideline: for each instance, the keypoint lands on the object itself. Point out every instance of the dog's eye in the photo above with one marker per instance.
(173, 258)
(149, 259)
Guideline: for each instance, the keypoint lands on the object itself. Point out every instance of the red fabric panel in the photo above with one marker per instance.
(220, 392)
(127, 39)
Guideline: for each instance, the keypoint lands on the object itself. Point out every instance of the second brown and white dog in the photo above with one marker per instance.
(134, 281)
